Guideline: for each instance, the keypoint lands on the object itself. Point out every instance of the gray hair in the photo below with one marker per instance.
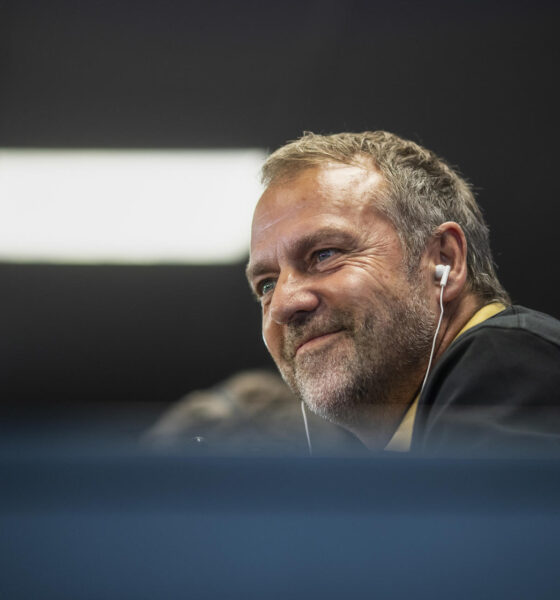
(421, 192)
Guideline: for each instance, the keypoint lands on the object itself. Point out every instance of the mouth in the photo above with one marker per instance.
(316, 340)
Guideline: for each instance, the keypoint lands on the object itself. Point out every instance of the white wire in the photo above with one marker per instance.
(306, 428)
(435, 338)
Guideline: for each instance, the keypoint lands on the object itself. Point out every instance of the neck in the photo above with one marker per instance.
(456, 316)
(379, 420)
(375, 430)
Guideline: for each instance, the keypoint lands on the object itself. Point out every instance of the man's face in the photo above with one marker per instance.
(340, 317)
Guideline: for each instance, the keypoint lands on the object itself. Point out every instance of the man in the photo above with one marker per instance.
(351, 241)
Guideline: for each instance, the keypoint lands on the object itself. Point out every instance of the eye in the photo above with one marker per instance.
(266, 286)
(324, 254)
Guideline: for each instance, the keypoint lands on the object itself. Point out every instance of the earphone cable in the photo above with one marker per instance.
(435, 339)
(309, 446)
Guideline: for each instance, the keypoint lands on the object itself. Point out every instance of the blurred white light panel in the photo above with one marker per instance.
(90, 206)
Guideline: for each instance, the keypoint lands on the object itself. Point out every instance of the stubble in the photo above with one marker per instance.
(365, 362)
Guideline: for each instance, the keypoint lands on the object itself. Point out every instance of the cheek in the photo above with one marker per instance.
(271, 338)
(366, 278)
(356, 288)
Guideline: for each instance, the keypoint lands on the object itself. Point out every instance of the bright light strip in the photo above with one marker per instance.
(91, 206)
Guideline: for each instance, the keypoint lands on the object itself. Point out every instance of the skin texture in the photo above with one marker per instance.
(349, 330)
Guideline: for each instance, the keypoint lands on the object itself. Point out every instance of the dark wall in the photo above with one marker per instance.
(474, 80)
(86, 334)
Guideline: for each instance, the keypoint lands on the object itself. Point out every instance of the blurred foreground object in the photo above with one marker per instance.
(250, 412)
(103, 523)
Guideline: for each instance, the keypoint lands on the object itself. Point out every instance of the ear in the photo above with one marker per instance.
(449, 247)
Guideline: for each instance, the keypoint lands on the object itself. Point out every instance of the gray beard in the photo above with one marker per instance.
(341, 381)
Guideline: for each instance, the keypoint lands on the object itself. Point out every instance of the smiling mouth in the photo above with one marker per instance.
(317, 340)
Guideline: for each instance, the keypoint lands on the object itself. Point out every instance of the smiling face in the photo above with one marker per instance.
(341, 319)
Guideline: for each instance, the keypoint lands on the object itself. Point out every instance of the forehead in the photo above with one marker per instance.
(329, 191)
(331, 204)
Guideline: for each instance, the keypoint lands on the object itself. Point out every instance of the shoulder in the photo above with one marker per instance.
(516, 342)
(518, 337)
(496, 386)
(519, 319)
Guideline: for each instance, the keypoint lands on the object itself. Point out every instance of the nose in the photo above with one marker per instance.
(293, 298)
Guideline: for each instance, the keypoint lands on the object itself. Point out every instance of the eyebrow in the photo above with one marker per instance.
(330, 235)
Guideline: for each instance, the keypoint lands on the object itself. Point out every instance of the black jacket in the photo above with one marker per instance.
(495, 391)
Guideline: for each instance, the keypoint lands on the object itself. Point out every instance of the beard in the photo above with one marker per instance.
(365, 362)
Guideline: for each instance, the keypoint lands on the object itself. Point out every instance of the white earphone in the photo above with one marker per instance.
(442, 273)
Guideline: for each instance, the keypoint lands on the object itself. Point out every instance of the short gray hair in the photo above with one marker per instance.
(422, 192)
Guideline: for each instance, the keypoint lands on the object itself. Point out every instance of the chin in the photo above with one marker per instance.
(331, 395)
(325, 380)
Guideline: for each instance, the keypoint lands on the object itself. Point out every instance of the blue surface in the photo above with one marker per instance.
(123, 523)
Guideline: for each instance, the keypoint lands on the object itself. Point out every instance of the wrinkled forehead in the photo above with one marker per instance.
(332, 186)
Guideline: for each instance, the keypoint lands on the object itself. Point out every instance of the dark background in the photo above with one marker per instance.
(476, 81)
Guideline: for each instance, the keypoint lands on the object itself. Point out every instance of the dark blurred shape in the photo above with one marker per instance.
(252, 412)
(99, 334)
